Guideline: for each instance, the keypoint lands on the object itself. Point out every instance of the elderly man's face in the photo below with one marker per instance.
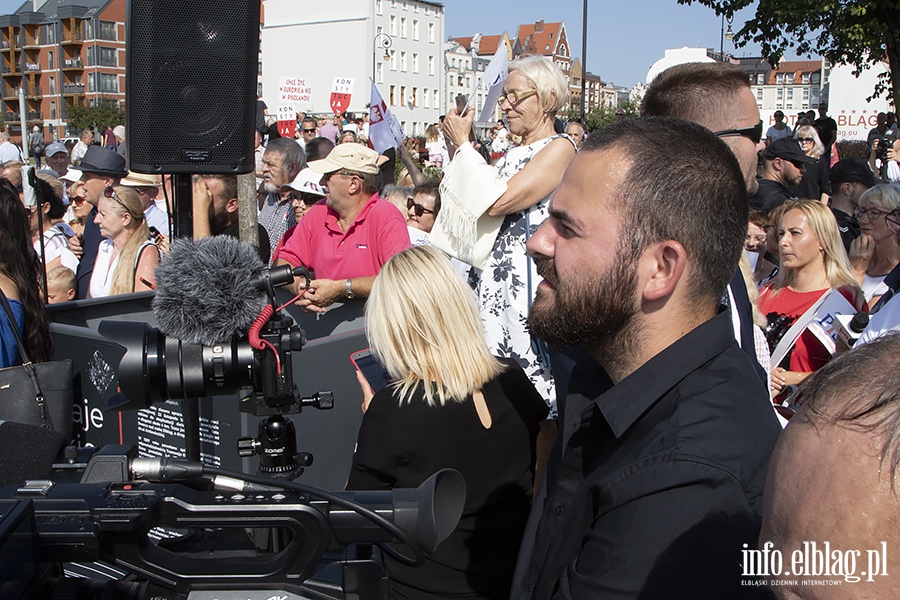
(59, 162)
(275, 171)
(827, 483)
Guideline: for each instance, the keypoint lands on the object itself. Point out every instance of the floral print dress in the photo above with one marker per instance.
(507, 285)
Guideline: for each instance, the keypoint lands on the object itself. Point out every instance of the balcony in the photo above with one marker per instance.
(72, 38)
(10, 94)
(73, 89)
(34, 92)
(32, 67)
(11, 116)
(4, 46)
(35, 115)
(72, 63)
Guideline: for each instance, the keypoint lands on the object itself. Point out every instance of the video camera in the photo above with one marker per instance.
(181, 540)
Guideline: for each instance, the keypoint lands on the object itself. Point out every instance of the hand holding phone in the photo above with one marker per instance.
(374, 372)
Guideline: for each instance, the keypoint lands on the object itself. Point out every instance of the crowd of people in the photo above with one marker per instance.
(612, 377)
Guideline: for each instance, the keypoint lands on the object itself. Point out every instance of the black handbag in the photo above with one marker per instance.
(39, 394)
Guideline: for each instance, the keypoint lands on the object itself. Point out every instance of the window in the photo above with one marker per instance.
(50, 63)
(431, 33)
(48, 34)
(53, 109)
(759, 93)
(780, 94)
(379, 72)
(437, 98)
(415, 27)
(403, 27)
(378, 7)
(415, 96)
(393, 60)
(760, 79)
(425, 98)
(806, 93)
(815, 78)
(789, 78)
(779, 78)
(107, 57)
(402, 94)
(259, 89)
(107, 31)
(431, 65)
(790, 93)
(52, 85)
(403, 62)
(393, 25)
(103, 83)
(415, 62)
(805, 78)
(259, 68)
(393, 99)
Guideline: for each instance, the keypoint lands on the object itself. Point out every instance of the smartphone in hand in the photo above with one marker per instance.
(374, 372)
(154, 232)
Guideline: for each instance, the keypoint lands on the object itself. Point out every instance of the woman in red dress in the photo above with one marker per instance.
(812, 262)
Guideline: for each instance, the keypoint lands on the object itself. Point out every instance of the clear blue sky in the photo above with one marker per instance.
(625, 37)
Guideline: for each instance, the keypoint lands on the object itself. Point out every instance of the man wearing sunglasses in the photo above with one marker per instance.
(785, 163)
(100, 169)
(346, 239)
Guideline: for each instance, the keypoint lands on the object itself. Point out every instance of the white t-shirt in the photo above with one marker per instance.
(873, 286)
(775, 133)
(56, 245)
(104, 267)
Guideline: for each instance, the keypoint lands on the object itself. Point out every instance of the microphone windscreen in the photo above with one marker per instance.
(28, 451)
(207, 290)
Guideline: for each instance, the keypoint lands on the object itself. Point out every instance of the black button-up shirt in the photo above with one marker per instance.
(655, 484)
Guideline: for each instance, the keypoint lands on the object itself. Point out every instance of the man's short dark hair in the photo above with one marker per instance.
(696, 196)
(318, 148)
(308, 120)
(432, 188)
(229, 184)
(693, 91)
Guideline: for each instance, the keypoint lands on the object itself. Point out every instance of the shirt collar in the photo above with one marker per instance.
(623, 404)
(331, 217)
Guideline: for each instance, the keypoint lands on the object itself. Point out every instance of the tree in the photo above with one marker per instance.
(859, 33)
(105, 112)
(601, 116)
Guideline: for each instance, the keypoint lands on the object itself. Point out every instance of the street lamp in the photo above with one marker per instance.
(385, 41)
(729, 35)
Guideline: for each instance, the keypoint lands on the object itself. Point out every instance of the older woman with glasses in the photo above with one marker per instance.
(876, 251)
(532, 94)
(127, 258)
(815, 184)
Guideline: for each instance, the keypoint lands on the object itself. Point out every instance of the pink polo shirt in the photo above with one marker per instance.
(317, 243)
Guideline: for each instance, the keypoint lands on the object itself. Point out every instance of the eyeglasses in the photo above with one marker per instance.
(870, 213)
(754, 134)
(806, 140)
(892, 218)
(417, 208)
(514, 97)
(759, 239)
(327, 176)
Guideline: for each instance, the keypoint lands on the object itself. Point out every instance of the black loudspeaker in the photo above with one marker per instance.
(191, 85)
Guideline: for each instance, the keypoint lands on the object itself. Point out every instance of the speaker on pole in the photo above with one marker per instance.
(191, 85)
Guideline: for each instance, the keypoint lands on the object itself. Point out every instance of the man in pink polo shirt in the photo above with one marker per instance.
(345, 240)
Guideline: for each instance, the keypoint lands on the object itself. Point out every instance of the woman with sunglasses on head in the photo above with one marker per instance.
(532, 95)
(812, 263)
(452, 405)
(815, 184)
(19, 280)
(876, 251)
(127, 255)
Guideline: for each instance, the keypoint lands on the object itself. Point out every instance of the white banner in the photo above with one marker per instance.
(292, 90)
(384, 129)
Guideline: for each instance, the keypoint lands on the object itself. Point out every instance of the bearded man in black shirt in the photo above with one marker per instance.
(655, 485)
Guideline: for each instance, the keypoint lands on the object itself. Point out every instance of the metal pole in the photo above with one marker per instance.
(22, 117)
(722, 39)
(583, 63)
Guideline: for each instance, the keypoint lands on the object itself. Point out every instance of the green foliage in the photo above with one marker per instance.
(859, 33)
(600, 117)
(106, 112)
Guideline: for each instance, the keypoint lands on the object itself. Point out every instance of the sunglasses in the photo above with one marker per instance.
(111, 194)
(754, 134)
(417, 208)
(806, 140)
(515, 97)
(78, 201)
(308, 130)
(305, 198)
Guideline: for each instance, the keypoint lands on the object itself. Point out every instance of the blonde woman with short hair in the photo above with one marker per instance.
(452, 405)
(812, 262)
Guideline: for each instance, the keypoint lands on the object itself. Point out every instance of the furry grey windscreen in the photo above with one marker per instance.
(207, 290)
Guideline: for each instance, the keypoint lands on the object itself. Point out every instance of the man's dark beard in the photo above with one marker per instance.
(587, 313)
(218, 221)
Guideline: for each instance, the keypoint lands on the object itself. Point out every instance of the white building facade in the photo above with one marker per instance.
(397, 43)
